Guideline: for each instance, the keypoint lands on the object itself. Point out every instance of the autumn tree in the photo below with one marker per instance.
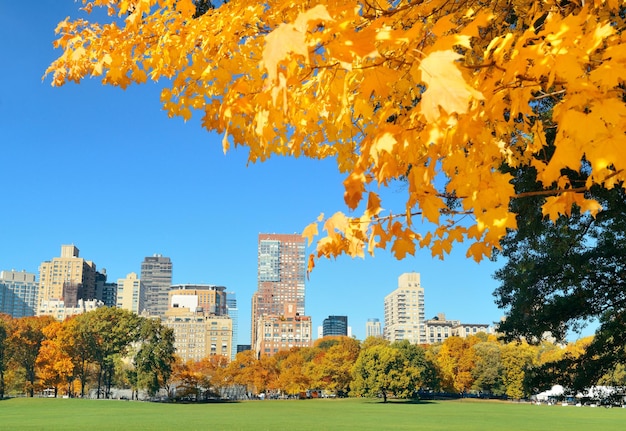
(456, 360)
(292, 378)
(517, 360)
(383, 370)
(438, 93)
(4, 319)
(331, 368)
(54, 364)
(24, 343)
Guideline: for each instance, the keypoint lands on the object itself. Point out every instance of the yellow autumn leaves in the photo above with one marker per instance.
(436, 94)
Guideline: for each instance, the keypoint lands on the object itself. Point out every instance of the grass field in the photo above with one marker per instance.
(303, 415)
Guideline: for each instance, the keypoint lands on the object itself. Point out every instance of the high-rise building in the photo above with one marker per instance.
(67, 278)
(335, 325)
(233, 313)
(372, 328)
(404, 311)
(130, 294)
(156, 276)
(18, 293)
(281, 275)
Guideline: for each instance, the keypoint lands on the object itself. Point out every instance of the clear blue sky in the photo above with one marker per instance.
(108, 171)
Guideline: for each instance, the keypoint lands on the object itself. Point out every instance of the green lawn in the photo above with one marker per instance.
(303, 415)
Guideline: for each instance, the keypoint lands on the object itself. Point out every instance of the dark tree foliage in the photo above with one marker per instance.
(202, 7)
(559, 276)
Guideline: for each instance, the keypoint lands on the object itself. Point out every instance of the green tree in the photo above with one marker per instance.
(155, 356)
(560, 275)
(109, 333)
(487, 372)
(383, 370)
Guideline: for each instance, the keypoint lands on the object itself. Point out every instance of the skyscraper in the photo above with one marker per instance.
(281, 274)
(156, 276)
(233, 313)
(404, 311)
(335, 325)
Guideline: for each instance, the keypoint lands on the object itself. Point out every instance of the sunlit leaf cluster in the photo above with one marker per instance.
(434, 93)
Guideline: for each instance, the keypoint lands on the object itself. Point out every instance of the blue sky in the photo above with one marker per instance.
(106, 170)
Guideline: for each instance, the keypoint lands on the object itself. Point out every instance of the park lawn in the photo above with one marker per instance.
(302, 415)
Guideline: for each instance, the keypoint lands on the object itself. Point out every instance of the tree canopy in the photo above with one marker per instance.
(439, 94)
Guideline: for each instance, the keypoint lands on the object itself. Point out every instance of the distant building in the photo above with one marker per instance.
(197, 314)
(404, 311)
(58, 310)
(105, 292)
(207, 298)
(280, 291)
(131, 294)
(233, 313)
(282, 332)
(438, 329)
(335, 325)
(198, 335)
(18, 293)
(243, 347)
(373, 328)
(156, 276)
(67, 278)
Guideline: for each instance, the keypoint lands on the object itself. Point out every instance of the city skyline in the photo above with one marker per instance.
(108, 171)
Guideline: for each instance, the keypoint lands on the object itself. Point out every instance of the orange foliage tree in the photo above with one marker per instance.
(440, 94)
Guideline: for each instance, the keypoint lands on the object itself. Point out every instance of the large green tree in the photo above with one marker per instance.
(155, 356)
(382, 370)
(109, 333)
(561, 275)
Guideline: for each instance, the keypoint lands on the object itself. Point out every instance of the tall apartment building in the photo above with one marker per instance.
(281, 274)
(130, 294)
(18, 293)
(233, 313)
(156, 275)
(404, 311)
(373, 328)
(335, 325)
(67, 278)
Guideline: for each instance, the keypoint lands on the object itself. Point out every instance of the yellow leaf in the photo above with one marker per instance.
(446, 86)
(310, 232)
